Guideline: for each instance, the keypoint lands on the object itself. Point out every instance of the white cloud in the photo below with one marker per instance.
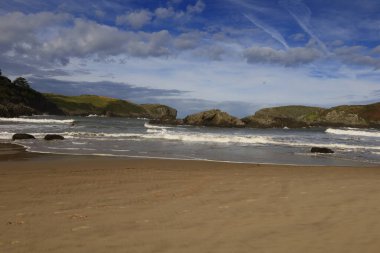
(135, 19)
(376, 50)
(289, 58)
(357, 55)
(164, 13)
(198, 7)
(188, 40)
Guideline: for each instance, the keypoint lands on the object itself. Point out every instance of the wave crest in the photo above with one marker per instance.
(353, 132)
(38, 121)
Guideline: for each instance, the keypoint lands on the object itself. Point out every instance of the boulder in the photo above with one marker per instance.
(22, 137)
(321, 150)
(215, 118)
(50, 137)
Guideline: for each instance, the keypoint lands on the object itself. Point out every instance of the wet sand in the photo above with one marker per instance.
(98, 204)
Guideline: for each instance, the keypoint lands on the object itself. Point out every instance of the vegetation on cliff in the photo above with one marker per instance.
(17, 99)
(304, 116)
(283, 116)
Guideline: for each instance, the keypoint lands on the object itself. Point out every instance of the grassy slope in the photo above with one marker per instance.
(291, 111)
(91, 104)
(369, 115)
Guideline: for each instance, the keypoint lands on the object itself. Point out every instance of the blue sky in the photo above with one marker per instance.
(237, 55)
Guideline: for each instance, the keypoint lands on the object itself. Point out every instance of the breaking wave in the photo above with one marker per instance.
(149, 126)
(37, 121)
(354, 132)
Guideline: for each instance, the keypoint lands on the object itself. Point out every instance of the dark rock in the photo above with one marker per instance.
(22, 137)
(215, 118)
(169, 122)
(321, 150)
(50, 137)
(157, 111)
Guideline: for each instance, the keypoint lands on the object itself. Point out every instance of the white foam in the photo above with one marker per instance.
(5, 135)
(94, 135)
(205, 137)
(147, 125)
(38, 121)
(79, 143)
(353, 132)
(246, 139)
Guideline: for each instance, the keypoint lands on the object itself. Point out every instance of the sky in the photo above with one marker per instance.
(194, 55)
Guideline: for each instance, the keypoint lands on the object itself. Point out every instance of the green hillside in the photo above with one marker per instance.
(304, 116)
(18, 99)
(90, 104)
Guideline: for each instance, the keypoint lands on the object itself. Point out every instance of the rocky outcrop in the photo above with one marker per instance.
(163, 112)
(215, 118)
(284, 116)
(304, 116)
(18, 100)
(22, 137)
(321, 150)
(51, 137)
(351, 116)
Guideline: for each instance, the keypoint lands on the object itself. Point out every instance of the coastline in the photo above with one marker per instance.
(62, 203)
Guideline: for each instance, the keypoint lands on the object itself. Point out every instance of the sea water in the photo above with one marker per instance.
(137, 138)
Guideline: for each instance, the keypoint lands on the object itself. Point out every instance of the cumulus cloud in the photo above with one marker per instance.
(357, 55)
(188, 40)
(18, 30)
(290, 58)
(164, 13)
(88, 38)
(47, 38)
(135, 19)
(198, 7)
(169, 12)
(376, 50)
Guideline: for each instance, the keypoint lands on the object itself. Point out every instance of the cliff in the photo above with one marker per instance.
(304, 116)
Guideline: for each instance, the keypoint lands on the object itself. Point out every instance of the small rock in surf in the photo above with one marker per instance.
(22, 137)
(50, 137)
(321, 150)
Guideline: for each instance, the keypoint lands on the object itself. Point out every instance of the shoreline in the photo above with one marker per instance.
(22, 152)
(59, 203)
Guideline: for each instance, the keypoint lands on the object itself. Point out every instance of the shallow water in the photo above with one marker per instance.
(137, 138)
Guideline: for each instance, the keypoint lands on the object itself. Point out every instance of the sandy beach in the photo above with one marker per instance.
(98, 204)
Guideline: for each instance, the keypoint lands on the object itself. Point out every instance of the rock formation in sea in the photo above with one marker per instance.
(360, 116)
(215, 118)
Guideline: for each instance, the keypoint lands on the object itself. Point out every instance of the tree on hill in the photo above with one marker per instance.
(1, 73)
(21, 82)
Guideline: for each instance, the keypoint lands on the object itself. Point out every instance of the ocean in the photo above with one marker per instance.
(137, 138)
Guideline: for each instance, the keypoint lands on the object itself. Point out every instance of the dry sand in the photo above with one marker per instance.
(94, 204)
